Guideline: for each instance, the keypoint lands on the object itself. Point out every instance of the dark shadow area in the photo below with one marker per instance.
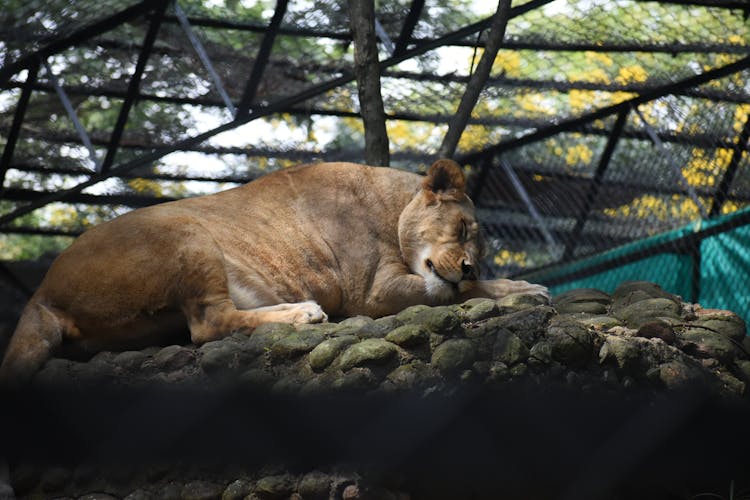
(516, 442)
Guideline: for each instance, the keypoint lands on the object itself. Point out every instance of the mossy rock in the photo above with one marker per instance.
(409, 335)
(572, 343)
(325, 352)
(702, 343)
(726, 323)
(442, 319)
(368, 351)
(509, 349)
(454, 355)
(643, 311)
(295, 344)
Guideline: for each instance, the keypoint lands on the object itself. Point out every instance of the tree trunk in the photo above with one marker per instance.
(367, 71)
(477, 81)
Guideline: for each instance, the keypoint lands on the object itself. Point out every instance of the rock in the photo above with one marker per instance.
(409, 335)
(540, 355)
(583, 300)
(657, 329)
(275, 487)
(724, 322)
(130, 360)
(325, 352)
(499, 372)
(731, 383)
(375, 351)
(54, 479)
(520, 301)
(572, 344)
(703, 343)
(170, 491)
(529, 324)
(98, 496)
(623, 351)
(140, 494)
(630, 292)
(357, 380)
(479, 309)
(351, 492)
(356, 321)
(441, 319)
(454, 355)
(378, 328)
(315, 486)
(173, 357)
(407, 315)
(201, 490)
(410, 375)
(509, 349)
(265, 336)
(600, 323)
(237, 490)
(680, 374)
(582, 295)
(295, 345)
(223, 357)
(647, 310)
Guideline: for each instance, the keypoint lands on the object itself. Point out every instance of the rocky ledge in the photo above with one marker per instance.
(631, 395)
(639, 337)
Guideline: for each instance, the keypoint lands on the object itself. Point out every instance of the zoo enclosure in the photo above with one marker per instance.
(603, 122)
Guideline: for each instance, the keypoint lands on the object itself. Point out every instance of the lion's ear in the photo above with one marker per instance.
(444, 181)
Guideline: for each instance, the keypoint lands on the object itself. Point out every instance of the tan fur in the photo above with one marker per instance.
(294, 246)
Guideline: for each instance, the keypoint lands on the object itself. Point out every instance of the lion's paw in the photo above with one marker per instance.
(308, 312)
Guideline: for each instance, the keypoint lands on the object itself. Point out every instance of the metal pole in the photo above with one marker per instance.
(205, 59)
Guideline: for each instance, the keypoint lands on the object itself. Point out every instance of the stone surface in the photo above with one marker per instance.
(638, 341)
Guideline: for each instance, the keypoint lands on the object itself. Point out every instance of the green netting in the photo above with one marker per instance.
(723, 273)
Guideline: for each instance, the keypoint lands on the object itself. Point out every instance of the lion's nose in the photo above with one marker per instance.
(469, 273)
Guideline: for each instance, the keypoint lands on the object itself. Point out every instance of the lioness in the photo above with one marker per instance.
(294, 246)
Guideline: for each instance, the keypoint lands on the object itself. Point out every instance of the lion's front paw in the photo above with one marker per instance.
(502, 288)
(308, 312)
(532, 289)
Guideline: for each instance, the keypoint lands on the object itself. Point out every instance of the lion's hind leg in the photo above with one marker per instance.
(221, 319)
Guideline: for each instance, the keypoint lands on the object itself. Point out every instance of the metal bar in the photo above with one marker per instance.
(725, 185)
(78, 36)
(515, 181)
(15, 127)
(133, 86)
(128, 200)
(203, 55)
(596, 183)
(264, 53)
(412, 18)
(672, 164)
(384, 38)
(275, 107)
(68, 105)
(578, 122)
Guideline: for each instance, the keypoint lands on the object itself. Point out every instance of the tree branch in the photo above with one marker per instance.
(477, 81)
(367, 72)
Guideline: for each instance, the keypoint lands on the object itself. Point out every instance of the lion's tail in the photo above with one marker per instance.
(38, 334)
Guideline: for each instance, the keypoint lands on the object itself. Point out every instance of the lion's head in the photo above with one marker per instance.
(439, 234)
